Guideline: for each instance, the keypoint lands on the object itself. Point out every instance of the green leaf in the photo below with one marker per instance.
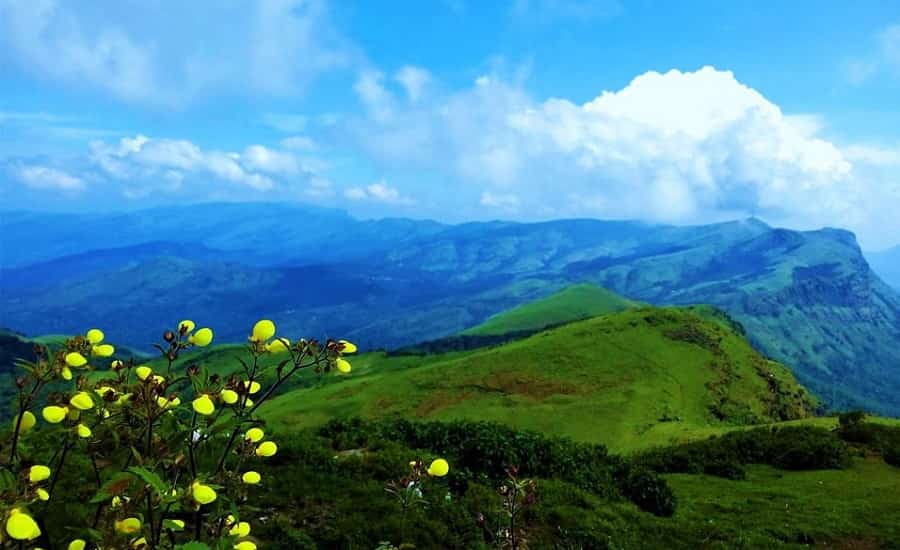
(115, 486)
(193, 545)
(7, 481)
(170, 524)
(150, 478)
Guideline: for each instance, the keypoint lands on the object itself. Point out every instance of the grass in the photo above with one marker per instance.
(630, 380)
(570, 304)
(851, 508)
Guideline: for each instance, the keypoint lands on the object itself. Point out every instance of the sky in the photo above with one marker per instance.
(673, 112)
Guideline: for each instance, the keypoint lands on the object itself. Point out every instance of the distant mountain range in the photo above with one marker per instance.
(807, 299)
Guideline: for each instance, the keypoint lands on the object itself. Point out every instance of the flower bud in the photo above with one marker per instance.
(169, 336)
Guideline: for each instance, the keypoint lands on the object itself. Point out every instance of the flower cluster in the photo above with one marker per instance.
(166, 473)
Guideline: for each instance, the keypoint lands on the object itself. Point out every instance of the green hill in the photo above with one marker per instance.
(570, 304)
(631, 379)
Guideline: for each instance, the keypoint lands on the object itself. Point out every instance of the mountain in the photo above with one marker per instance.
(570, 304)
(635, 378)
(887, 265)
(805, 298)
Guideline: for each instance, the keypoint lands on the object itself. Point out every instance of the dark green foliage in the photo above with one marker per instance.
(788, 448)
(650, 492)
(484, 449)
(881, 438)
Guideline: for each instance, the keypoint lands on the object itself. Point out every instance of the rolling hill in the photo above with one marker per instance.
(631, 379)
(570, 304)
(805, 298)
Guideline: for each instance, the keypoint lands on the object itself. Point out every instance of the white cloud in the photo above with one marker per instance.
(885, 56)
(377, 99)
(285, 122)
(45, 177)
(673, 147)
(414, 80)
(299, 143)
(143, 162)
(140, 53)
(378, 192)
(497, 200)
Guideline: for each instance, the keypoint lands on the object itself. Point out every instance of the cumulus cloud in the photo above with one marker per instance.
(414, 80)
(673, 147)
(140, 164)
(378, 192)
(884, 56)
(46, 177)
(140, 53)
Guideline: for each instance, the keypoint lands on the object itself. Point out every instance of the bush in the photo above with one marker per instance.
(891, 455)
(789, 448)
(648, 491)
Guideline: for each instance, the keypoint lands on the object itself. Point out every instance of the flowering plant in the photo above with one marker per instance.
(169, 472)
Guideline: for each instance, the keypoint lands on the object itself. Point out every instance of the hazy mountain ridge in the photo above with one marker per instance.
(808, 299)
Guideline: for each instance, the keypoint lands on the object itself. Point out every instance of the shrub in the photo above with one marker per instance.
(160, 473)
(648, 491)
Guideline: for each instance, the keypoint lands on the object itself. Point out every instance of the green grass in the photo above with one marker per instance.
(849, 508)
(571, 304)
(634, 379)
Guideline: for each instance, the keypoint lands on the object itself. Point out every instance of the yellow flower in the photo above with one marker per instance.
(124, 398)
(251, 478)
(83, 431)
(204, 405)
(75, 359)
(438, 468)
(77, 544)
(165, 403)
(143, 372)
(103, 390)
(254, 386)
(203, 494)
(242, 529)
(245, 545)
(43, 494)
(161, 380)
(266, 448)
(116, 365)
(82, 401)
(254, 435)
(139, 543)
(66, 373)
(115, 502)
(38, 473)
(21, 526)
(229, 396)
(103, 350)
(343, 365)
(202, 337)
(248, 403)
(262, 331)
(28, 421)
(278, 345)
(128, 526)
(54, 414)
(347, 347)
(188, 326)
(95, 336)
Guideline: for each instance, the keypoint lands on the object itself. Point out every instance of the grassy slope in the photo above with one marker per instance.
(570, 304)
(853, 507)
(610, 379)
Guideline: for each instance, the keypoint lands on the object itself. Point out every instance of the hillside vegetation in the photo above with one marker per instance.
(570, 304)
(632, 379)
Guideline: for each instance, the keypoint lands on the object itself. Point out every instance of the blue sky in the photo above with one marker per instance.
(679, 112)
